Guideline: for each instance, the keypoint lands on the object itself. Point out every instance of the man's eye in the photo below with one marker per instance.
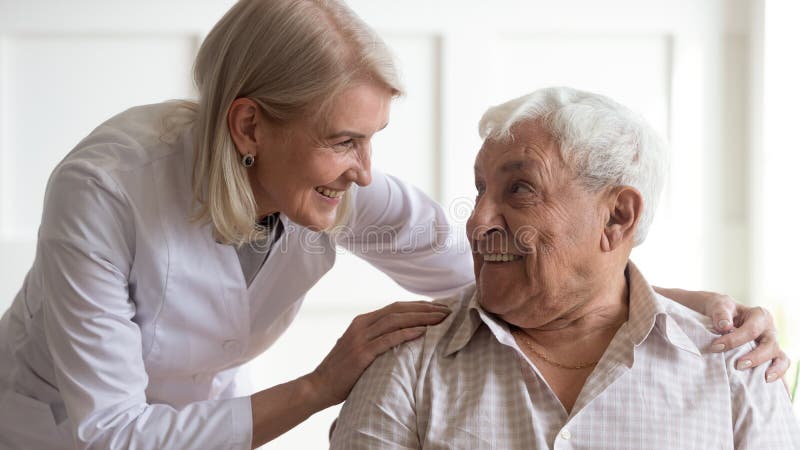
(522, 188)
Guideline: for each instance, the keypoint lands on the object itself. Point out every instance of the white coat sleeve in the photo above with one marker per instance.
(405, 234)
(86, 245)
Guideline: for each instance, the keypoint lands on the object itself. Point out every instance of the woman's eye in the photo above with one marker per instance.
(344, 145)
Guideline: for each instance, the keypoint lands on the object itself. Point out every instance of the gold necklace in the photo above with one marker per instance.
(521, 336)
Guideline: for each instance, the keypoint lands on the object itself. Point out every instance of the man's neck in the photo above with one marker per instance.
(595, 318)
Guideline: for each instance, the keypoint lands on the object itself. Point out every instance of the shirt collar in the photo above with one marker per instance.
(473, 319)
(467, 327)
(646, 312)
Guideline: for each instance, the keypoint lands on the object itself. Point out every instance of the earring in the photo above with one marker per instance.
(248, 160)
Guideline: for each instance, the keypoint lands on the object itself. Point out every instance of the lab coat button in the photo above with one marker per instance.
(565, 435)
(231, 345)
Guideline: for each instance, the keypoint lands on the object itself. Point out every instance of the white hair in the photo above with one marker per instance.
(603, 141)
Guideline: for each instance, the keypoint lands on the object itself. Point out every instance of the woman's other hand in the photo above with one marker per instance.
(738, 325)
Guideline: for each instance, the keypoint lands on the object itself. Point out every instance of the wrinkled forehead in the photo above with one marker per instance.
(528, 148)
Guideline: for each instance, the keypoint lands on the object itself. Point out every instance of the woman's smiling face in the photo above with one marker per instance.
(304, 167)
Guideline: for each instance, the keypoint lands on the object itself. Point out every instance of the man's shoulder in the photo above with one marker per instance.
(436, 337)
(696, 326)
(700, 330)
(688, 319)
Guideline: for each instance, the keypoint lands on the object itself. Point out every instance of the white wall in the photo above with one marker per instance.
(688, 66)
(775, 159)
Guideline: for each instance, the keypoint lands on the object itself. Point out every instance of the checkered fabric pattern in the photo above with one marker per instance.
(467, 385)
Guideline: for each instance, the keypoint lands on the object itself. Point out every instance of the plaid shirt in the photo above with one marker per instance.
(467, 384)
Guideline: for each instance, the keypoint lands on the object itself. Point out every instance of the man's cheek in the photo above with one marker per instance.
(526, 239)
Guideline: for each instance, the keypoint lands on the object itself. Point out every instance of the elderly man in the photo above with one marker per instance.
(563, 343)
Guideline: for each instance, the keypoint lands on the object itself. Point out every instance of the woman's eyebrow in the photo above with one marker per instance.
(347, 133)
(352, 134)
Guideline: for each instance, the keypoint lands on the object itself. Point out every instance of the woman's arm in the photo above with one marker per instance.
(406, 235)
(738, 325)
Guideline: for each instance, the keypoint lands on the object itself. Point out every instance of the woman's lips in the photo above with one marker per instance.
(329, 193)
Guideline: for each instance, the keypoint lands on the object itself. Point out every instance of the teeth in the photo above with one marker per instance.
(500, 257)
(329, 193)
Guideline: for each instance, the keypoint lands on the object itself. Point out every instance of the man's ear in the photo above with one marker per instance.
(625, 205)
(243, 117)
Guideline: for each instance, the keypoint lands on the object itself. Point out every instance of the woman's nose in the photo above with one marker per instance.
(361, 170)
(363, 176)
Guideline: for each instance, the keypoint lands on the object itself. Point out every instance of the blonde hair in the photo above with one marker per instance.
(289, 56)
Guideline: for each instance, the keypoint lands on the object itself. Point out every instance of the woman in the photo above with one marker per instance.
(178, 240)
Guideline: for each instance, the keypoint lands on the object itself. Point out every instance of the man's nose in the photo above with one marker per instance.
(485, 218)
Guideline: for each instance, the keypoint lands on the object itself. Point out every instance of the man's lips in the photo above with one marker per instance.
(500, 257)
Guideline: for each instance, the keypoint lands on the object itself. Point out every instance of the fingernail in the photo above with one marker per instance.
(723, 323)
(717, 347)
(744, 364)
(772, 376)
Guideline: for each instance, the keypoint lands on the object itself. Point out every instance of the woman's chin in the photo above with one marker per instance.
(316, 222)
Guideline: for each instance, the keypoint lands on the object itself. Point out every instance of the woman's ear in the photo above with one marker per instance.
(243, 117)
(625, 210)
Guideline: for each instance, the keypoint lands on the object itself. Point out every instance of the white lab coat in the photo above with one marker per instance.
(131, 324)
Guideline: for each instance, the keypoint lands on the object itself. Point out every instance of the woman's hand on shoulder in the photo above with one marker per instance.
(367, 337)
(738, 324)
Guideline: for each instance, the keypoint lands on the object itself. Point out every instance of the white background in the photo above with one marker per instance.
(716, 77)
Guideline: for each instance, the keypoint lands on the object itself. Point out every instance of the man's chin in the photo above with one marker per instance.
(494, 298)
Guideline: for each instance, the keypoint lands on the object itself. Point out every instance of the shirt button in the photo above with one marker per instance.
(231, 345)
(565, 435)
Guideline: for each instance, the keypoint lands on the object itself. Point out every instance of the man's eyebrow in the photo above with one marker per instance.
(515, 166)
